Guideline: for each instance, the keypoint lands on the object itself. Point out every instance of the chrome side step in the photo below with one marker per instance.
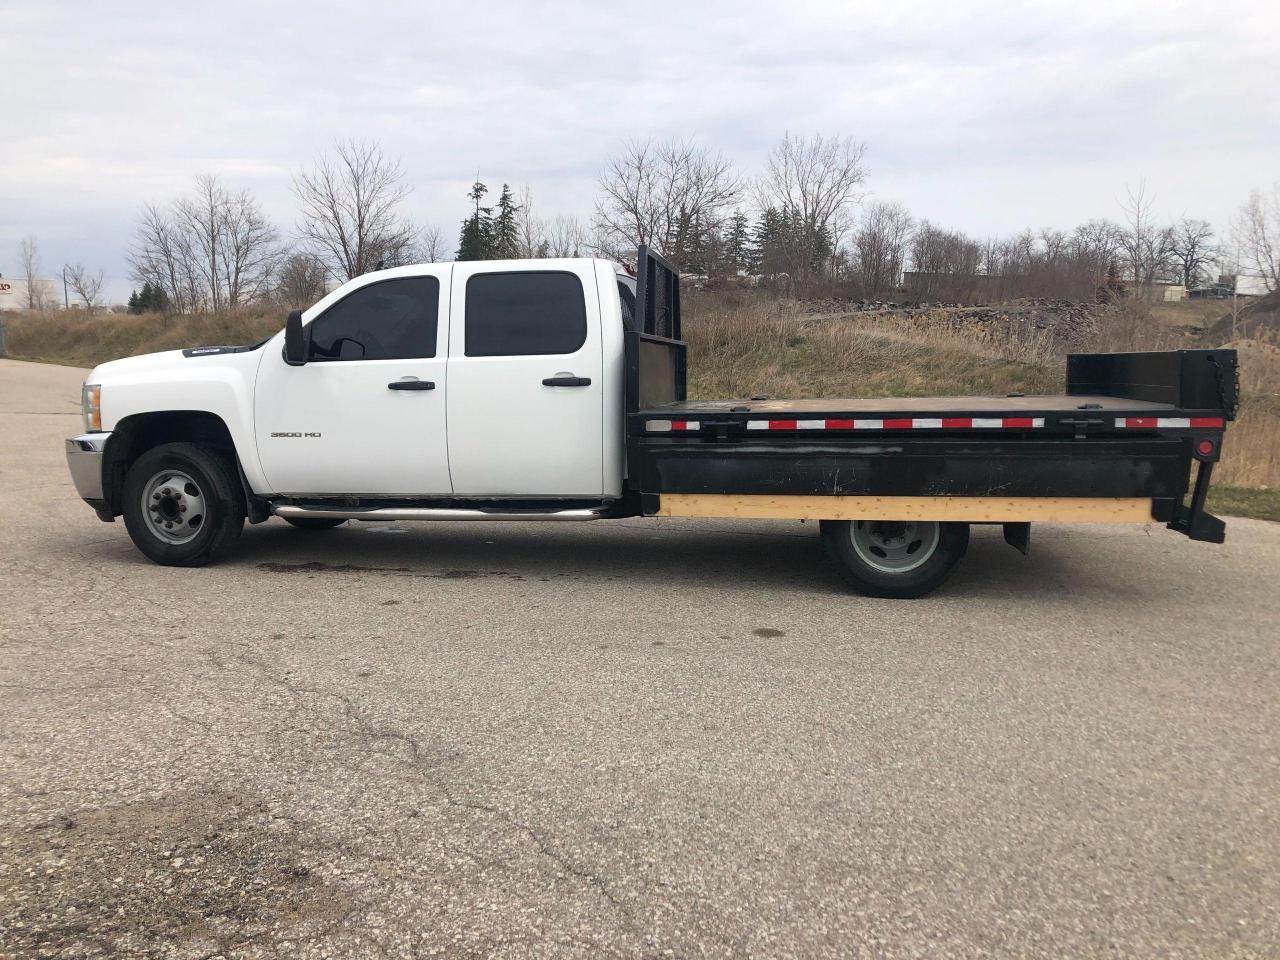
(436, 513)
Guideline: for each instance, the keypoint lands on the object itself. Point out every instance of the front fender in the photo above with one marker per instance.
(173, 385)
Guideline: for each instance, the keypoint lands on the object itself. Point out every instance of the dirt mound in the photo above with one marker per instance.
(1256, 320)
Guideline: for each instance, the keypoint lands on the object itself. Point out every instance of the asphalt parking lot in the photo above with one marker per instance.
(634, 738)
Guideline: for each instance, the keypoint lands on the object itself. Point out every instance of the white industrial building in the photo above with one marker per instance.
(13, 293)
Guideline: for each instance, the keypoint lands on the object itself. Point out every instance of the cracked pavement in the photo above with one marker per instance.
(632, 738)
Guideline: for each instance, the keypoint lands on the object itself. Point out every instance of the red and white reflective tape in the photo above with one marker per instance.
(1170, 423)
(913, 423)
(943, 423)
(667, 426)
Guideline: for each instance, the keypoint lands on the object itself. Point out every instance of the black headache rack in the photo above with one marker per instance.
(655, 356)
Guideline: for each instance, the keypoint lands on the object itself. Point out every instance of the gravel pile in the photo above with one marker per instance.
(1067, 323)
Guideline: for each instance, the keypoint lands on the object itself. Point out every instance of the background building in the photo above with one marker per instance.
(13, 293)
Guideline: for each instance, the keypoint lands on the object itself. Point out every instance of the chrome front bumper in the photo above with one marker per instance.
(84, 459)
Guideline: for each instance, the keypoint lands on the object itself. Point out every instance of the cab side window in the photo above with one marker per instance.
(387, 320)
(524, 314)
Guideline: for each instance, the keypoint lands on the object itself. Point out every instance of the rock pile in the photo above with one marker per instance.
(1067, 324)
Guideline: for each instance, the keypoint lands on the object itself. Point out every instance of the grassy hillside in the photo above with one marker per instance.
(81, 339)
(744, 344)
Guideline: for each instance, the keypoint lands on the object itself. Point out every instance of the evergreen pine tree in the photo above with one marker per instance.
(770, 242)
(506, 232)
(476, 240)
(680, 244)
(737, 244)
(152, 299)
(133, 302)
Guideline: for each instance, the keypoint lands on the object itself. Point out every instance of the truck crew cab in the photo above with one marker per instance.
(555, 390)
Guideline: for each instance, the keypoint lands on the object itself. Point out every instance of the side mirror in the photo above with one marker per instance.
(295, 344)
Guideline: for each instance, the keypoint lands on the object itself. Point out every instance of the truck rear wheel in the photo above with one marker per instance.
(900, 559)
(183, 504)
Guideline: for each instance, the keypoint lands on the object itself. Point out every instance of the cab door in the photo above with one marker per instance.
(526, 392)
(366, 413)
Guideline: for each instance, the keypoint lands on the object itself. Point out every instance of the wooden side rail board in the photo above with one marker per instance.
(969, 509)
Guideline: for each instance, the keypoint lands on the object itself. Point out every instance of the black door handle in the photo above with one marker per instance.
(567, 382)
(411, 385)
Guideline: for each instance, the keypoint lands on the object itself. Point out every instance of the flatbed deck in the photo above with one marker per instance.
(944, 406)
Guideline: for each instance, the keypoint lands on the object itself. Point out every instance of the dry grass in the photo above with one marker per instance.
(1251, 453)
(82, 339)
(1190, 313)
(771, 348)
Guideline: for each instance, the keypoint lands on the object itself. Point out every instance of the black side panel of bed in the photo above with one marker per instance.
(1151, 467)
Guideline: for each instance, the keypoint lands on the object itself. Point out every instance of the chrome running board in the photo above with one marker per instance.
(434, 513)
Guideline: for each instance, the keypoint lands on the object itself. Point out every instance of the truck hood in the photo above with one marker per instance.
(169, 364)
(130, 367)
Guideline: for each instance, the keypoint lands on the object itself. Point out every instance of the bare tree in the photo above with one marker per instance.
(944, 264)
(211, 250)
(813, 182)
(432, 247)
(531, 233)
(350, 203)
(232, 246)
(1191, 249)
(249, 249)
(300, 281)
(199, 223)
(566, 236)
(1053, 244)
(1257, 234)
(158, 256)
(87, 285)
(29, 254)
(654, 191)
(1145, 245)
(880, 246)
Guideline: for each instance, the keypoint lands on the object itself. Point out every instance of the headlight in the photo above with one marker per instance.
(91, 404)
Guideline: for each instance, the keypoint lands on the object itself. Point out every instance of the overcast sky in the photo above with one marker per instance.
(982, 116)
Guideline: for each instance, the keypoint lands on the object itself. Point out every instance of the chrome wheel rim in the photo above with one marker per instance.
(174, 507)
(895, 546)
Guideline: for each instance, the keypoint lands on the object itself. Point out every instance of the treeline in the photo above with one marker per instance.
(801, 226)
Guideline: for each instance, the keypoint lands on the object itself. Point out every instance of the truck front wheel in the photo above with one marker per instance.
(900, 559)
(183, 504)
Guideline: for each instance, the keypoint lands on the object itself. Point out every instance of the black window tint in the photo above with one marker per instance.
(524, 314)
(388, 320)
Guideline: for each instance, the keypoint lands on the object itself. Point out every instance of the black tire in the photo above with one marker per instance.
(857, 570)
(314, 523)
(220, 496)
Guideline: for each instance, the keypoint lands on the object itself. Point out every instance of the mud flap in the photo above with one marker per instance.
(1018, 536)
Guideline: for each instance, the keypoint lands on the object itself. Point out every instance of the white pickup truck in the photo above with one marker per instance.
(555, 390)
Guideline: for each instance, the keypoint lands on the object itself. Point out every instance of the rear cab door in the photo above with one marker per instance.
(526, 380)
